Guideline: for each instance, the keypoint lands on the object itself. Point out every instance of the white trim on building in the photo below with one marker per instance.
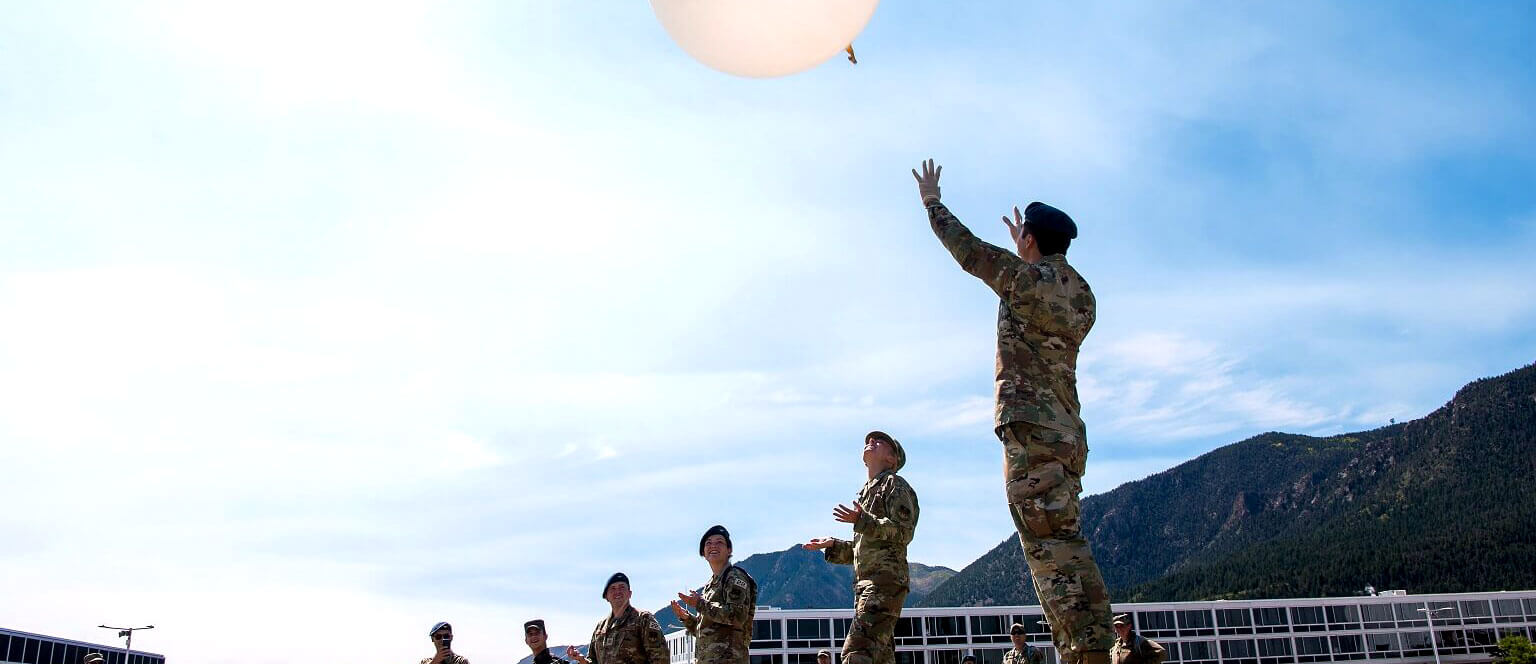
(1386, 628)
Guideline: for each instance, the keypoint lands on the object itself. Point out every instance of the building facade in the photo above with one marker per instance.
(1383, 628)
(26, 648)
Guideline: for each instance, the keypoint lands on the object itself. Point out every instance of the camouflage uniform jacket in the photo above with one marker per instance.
(879, 548)
(450, 659)
(1046, 310)
(1139, 650)
(1029, 655)
(724, 624)
(547, 657)
(632, 638)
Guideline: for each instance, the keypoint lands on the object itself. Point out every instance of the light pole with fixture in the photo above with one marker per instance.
(128, 632)
(1430, 613)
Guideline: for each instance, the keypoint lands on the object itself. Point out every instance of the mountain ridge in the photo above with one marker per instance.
(1287, 515)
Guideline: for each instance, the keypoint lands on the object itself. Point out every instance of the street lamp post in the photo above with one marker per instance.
(1430, 614)
(128, 632)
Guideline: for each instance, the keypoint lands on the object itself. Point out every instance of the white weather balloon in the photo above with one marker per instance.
(763, 38)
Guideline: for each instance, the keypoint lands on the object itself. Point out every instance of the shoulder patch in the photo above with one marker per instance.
(736, 580)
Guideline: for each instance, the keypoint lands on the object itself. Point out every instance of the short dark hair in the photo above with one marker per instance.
(1049, 242)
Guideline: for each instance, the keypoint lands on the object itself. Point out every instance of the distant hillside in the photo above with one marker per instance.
(1445, 503)
(798, 579)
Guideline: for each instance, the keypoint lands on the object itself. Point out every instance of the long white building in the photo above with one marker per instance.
(1381, 628)
(17, 647)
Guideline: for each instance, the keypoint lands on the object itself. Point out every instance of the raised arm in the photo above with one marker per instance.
(992, 264)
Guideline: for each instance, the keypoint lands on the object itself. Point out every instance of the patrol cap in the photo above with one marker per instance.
(823, 653)
(1018, 628)
(94, 657)
(968, 658)
(441, 625)
(901, 454)
(1047, 218)
(1122, 619)
(715, 530)
(616, 578)
(536, 622)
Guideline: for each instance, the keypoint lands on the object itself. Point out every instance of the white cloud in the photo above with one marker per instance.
(368, 315)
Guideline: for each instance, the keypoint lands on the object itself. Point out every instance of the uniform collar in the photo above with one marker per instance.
(624, 616)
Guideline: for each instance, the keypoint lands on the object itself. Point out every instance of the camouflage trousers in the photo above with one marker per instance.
(716, 650)
(872, 636)
(1043, 469)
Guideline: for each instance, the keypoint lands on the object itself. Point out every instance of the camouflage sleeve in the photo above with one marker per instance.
(1155, 653)
(592, 644)
(655, 642)
(1035, 657)
(690, 623)
(900, 518)
(737, 606)
(997, 266)
(840, 553)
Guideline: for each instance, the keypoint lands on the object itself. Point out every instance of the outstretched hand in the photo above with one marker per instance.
(817, 544)
(928, 181)
(1015, 226)
(848, 514)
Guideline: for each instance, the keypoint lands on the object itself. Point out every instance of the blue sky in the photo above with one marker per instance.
(369, 315)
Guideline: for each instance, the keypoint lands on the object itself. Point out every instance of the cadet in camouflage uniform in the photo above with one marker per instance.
(627, 635)
(1045, 311)
(537, 639)
(1133, 648)
(442, 639)
(1022, 652)
(884, 518)
(723, 625)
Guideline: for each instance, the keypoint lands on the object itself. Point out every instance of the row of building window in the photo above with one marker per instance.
(939, 630)
(1271, 650)
(32, 650)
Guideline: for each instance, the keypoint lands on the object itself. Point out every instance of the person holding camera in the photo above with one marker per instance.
(442, 640)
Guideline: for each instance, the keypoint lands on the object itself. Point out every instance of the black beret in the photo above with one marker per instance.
(715, 530)
(617, 577)
(439, 626)
(1046, 218)
(536, 622)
